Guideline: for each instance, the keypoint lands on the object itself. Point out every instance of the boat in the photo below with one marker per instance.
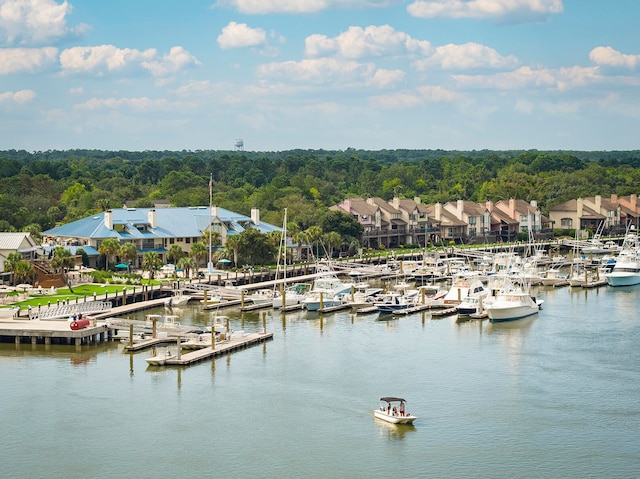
(512, 302)
(626, 271)
(393, 302)
(262, 296)
(177, 299)
(393, 410)
(161, 358)
(474, 302)
(327, 291)
(293, 295)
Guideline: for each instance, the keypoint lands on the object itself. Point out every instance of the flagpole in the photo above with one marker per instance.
(210, 265)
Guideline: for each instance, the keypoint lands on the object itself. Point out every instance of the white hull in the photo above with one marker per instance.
(623, 279)
(160, 359)
(510, 313)
(393, 419)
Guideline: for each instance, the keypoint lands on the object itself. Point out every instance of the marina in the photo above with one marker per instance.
(464, 380)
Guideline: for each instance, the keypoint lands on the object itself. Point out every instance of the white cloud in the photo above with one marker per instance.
(22, 96)
(26, 60)
(177, 59)
(372, 41)
(527, 77)
(29, 22)
(136, 104)
(422, 95)
(239, 35)
(108, 58)
(466, 56)
(607, 56)
(386, 78)
(252, 7)
(523, 10)
(319, 71)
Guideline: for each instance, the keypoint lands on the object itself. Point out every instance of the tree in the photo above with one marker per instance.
(332, 240)
(109, 247)
(232, 246)
(12, 262)
(23, 272)
(152, 263)
(174, 254)
(187, 263)
(128, 251)
(299, 239)
(314, 233)
(62, 259)
(199, 252)
(255, 247)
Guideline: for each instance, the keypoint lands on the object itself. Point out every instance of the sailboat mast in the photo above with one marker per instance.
(210, 265)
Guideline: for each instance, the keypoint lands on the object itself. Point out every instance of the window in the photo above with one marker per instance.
(566, 223)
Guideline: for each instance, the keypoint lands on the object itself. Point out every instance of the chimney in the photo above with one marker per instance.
(418, 200)
(512, 208)
(255, 216)
(153, 222)
(395, 202)
(370, 201)
(598, 201)
(534, 203)
(579, 208)
(108, 219)
(489, 206)
(614, 198)
(437, 210)
(633, 200)
(347, 205)
(214, 211)
(460, 208)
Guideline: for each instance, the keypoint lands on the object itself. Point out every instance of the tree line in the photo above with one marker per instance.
(39, 190)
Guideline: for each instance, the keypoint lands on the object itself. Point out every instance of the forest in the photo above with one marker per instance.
(39, 190)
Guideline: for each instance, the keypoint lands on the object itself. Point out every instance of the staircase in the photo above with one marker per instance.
(46, 277)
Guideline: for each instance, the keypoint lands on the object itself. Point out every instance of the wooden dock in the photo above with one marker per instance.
(222, 304)
(222, 347)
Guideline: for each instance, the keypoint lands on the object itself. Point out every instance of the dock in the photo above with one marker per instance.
(52, 332)
(222, 347)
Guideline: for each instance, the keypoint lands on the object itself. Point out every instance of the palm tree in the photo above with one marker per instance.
(174, 254)
(299, 239)
(24, 272)
(314, 233)
(109, 247)
(62, 259)
(332, 239)
(12, 262)
(233, 242)
(128, 251)
(187, 263)
(199, 252)
(151, 262)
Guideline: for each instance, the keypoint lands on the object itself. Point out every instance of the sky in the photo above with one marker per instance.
(319, 74)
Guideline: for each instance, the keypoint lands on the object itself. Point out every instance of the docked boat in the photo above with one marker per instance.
(262, 296)
(327, 291)
(626, 271)
(512, 302)
(476, 297)
(394, 302)
(178, 298)
(161, 358)
(393, 410)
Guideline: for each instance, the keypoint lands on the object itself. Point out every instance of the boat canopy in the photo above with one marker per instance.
(392, 399)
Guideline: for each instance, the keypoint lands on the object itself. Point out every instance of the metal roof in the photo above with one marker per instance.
(130, 223)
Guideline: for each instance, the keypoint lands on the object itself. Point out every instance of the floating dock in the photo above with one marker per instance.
(52, 332)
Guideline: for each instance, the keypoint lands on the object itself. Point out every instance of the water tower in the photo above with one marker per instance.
(239, 144)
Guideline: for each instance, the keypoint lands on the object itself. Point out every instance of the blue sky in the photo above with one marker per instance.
(331, 74)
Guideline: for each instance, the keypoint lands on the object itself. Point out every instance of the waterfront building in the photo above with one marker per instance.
(151, 229)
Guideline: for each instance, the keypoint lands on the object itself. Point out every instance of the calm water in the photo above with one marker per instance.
(553, 396)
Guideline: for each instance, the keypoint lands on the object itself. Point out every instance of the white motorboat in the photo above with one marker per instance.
(262, 296)
(512, 302)
(328, 291)
(293, 295)
(177, 299)
(394, 302)
(626, 271)
(476, 297)
(161, 358)
(198, 341)
(393, 410)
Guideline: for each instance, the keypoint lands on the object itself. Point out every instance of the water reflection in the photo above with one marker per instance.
(393, 431)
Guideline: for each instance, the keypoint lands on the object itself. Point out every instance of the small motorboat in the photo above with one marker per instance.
(393, 410)
(161, 358)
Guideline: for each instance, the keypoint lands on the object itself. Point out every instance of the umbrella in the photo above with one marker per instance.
(122, 266)
(224, 260)
(23, 286)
